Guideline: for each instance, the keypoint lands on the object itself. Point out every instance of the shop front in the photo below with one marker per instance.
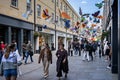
(45, 36)
(69, 40)
(60, 39)
(12, 29)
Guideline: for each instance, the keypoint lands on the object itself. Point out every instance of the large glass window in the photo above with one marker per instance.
(2, 34)
(38, 10)
(14, 34)
(28, 5)
(25, 36)
(14, 3)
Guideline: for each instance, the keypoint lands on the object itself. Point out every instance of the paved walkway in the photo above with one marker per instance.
(78, 70)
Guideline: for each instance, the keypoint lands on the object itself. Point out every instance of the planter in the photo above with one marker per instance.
(36, 34)
(105, 34)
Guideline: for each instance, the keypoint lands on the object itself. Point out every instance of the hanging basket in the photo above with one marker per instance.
(105, 34)
(40, 35)
(36, 34)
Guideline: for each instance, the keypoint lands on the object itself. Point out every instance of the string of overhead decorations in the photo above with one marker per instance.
(88, 25)
(91, 23)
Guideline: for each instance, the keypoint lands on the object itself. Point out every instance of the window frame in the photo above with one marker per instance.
(52, 17)
(29, 5)
(53, 1)
(14, 3)
(57, 19)
(39, 10)
(61, 5)
(57, 3)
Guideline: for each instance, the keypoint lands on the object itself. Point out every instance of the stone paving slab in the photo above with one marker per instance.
(78, 70)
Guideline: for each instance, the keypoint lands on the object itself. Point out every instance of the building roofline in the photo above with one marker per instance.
(70, 6)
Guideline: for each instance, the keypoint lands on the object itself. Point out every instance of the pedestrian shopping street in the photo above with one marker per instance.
(66, 26)
(78, 70)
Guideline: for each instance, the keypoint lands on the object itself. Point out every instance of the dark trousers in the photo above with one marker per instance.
(79, 52)
(110, 60)
(62, 69)
(1, 54)
(24, 55)
(1, 57)
(99, 53)
(27, 55)
(76, 51)
(90, 54)
(71, 52)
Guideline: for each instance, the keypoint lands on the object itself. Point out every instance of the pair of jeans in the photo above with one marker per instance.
(10, 72)
(1, 54)
(27, 55)
(76, 51)
(91, 55)
(86, 55)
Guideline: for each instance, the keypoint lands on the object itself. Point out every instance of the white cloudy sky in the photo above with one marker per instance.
(88, 6)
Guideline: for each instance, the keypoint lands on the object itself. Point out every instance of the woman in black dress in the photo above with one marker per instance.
(62, 61)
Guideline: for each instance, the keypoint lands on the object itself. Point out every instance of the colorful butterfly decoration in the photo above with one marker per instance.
(45, 14)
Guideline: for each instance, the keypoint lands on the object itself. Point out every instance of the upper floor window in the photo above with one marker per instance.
(61, 6)
(72, 16)
(14, 3)
(53, 0)
(57, 18)
(28, 5)
(38, 10)
(64, 8)
(57, 3)
(52, 17)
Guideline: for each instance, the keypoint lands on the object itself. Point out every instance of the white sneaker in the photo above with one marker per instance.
(108, 67)
(46, 76)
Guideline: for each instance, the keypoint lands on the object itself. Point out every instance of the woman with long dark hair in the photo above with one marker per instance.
(9, 62)
(62, 61)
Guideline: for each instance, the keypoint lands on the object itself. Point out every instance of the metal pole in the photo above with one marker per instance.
(66, 38)
(34, 15)
(119, 40)
(55, 25)
(34, 24)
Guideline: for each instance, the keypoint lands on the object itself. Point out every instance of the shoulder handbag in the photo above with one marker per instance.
(31, 53)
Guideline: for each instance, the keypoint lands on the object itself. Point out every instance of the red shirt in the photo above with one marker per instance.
(2, 46)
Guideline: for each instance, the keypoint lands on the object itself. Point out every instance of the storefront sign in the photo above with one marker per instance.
(48, 31)
(69, 36)
(61, 34)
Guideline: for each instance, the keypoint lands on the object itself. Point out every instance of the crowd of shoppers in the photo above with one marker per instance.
(10, 57)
